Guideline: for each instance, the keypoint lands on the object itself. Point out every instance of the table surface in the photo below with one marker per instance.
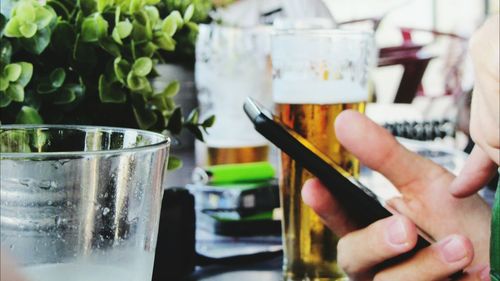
(269, 270)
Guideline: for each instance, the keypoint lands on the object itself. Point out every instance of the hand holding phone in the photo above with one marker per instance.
(362, 205)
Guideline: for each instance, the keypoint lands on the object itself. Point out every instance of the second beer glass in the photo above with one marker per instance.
(316, 75)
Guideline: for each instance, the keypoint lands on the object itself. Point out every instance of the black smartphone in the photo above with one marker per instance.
(362, 205)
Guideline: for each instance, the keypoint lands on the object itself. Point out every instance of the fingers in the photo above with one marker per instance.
(316, 196)
(363, 249)
(436, 262)
(379, 150)
(476, 173)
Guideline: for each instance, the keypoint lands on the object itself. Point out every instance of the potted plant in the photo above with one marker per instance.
(91, 62)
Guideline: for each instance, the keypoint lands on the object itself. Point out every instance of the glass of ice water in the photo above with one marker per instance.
(80, 202)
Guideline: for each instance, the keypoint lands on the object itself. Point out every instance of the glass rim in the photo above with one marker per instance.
(163, 141)
(252, 28)
(321, 32)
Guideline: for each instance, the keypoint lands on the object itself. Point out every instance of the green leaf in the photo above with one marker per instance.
(174, 163)
(28, 29)
(88, 6)
(142, 66)
(110, 92)
(102, 4)
(178, 18)
(175, 122)
(194, 116)
(188, 14)
(135, 5)
(64, 97)
(121, 68)
(63, 37)
(68, 94)
(192, 26)
(171, 90)
(153, 14)
(16, 92)
(57, 77)
(144, 116)
(110, 46)
(149, 49)
(45, 88)
(5, 51)
(4, 83)
(5, 100)
(43, 17)
(124, 28)
(3, 22)
(94, 28)
(169, 25)
(12, 28)
(26, 73)
(38, 43)
(140, 33)
(25, 11)
(209, 122)
(152, 2)
(195, 130)
(136, 83)
(165, 42)
(12, 72)
(28, 115)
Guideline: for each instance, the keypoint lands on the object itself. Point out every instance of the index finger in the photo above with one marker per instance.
(379, 150)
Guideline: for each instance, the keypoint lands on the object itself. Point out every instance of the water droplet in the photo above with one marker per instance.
(105, 211)
(47, 184)
(11, 246)
(25, 182)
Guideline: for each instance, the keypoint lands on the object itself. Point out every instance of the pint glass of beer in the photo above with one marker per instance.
(316, 75)
(232, 64)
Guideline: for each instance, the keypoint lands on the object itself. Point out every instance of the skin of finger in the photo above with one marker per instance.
(485, 112)
(439, 218)
(316, 196)
(376, 148)
(476, 173)
(423, 184)
(428, 264)
(483, 129)
(484, 50)
(352, 249)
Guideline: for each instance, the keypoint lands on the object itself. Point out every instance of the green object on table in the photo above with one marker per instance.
(234, 173)
(495, 238)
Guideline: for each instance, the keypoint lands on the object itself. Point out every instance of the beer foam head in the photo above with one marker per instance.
(321, 67)
(318, 92)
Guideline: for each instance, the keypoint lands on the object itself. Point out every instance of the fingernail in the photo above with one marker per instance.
(397, 232)
(485, 274)
(453, 249)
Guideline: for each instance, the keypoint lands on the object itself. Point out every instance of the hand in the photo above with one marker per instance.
(485, 118)
(461, 226)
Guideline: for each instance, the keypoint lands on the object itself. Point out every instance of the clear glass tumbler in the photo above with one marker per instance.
(316, 75)
(81, 203)
(232, 64)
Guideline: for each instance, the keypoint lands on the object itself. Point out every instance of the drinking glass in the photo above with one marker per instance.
(316, 75)
(232, 64)
(80, 202)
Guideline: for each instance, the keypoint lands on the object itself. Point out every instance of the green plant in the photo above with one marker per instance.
(91, 62)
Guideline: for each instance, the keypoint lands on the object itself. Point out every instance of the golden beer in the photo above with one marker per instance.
(231, 155)
(310, 247)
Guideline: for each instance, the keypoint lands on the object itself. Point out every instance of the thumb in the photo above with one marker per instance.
(478, 170)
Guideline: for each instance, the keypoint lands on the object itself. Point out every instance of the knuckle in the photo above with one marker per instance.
(381, 276)
(342, 257)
